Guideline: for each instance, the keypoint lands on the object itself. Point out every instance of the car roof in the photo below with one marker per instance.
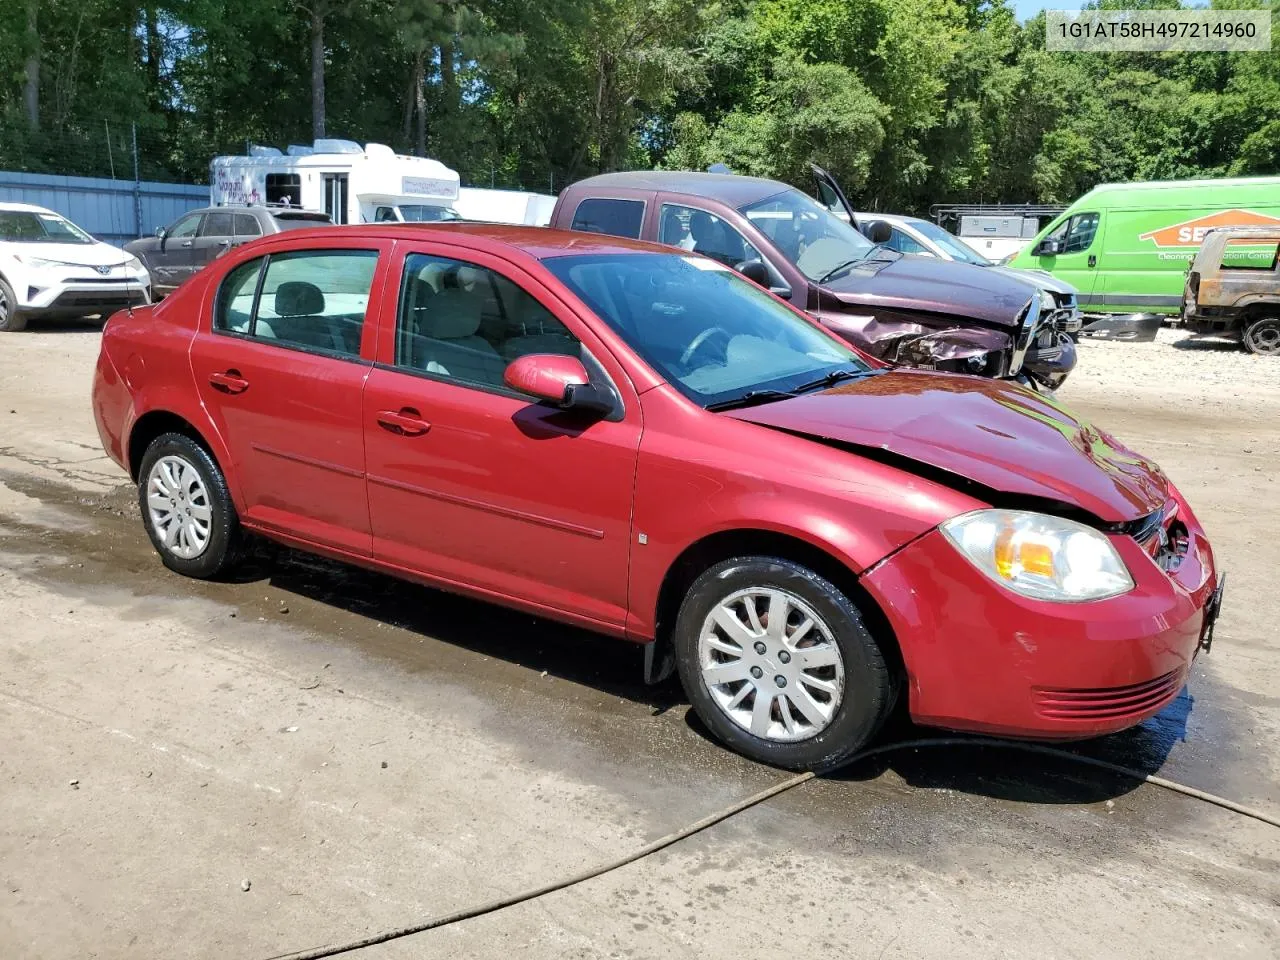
(726, 187)
(542, 243)
(24, 208)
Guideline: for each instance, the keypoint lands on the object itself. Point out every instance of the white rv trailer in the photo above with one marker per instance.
(351, 183)
(505, 206)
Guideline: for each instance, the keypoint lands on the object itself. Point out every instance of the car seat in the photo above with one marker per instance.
(448, 344)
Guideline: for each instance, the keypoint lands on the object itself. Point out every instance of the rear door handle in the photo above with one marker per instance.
(229, 382)
(405, 422)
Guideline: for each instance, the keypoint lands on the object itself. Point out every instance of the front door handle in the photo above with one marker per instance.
(229, 382)
(405, 422)
(187, 243)
(1093, 260)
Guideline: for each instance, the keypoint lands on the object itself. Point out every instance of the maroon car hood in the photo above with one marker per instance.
(998, 434)
(915, 284)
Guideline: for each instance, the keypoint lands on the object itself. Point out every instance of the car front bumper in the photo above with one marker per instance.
(42, 295)
(982, 658)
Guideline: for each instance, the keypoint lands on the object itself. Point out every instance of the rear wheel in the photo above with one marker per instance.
(11, 318)
(1263, 337)
(779, 664)
(187, 508)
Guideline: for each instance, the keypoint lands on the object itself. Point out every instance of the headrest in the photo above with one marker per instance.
(451, 315)
(702, 226)
(297, 298)
(460, 277)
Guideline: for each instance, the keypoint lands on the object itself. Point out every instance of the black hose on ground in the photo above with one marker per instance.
(319, 953)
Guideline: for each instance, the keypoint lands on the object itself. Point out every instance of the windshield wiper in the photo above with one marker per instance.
(834, 377)
(750, 399)
(838, 269)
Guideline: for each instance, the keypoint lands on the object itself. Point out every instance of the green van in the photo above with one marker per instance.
(1126, 246)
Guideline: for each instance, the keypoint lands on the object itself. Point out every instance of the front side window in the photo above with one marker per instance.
(1075, 234)
(704, 233)
(426, 213)
(465, 323)
(187, 226)
(714, 335)
(309, 299)
(899, 240)
(217, 225)
(618, 218)
(819, 243)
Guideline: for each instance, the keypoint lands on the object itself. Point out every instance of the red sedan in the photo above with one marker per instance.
(642, 442)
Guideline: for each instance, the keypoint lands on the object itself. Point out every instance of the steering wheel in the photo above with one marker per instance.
(699, 340)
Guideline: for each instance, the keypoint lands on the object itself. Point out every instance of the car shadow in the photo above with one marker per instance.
(1208, 345)
(612, 666)
(978, 767)
(986, 767)
(65, 325)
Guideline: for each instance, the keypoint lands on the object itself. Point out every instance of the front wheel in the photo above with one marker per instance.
(779, 664)
(11, 318)
(187, 508)
(1263, 337)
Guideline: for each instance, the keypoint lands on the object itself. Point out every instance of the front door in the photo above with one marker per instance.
(281, 367)
(473, 483)
(1070, 252)
(172, 261)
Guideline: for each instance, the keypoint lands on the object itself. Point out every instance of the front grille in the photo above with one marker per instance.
(1161, 534)
(104, 281)
(1133, 700)
(114, 298)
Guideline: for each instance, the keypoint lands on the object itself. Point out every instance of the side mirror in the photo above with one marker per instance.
(161, 232)
(559, 380)
(877, 231)
(1049, 248)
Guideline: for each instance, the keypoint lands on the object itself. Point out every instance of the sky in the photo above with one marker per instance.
(1025, 9)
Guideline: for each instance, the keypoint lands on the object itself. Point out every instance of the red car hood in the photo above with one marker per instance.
(998, 434)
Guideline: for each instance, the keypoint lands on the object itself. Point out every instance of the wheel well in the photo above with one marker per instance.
(709, 551)
(1261, 311)
(153, 424)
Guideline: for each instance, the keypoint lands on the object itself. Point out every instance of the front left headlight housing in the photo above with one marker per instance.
(1047, 302)
(39, 263)
(1040, 556)
(133, 263)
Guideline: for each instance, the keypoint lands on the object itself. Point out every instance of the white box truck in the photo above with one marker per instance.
(351, 183)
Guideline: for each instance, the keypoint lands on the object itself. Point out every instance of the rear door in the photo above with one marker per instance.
(217, 233)
(281, 366)
(247, 228)
(473, 483)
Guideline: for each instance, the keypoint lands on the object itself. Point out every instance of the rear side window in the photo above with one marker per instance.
(247, 225)
(312, 300)
(618, 218)
(216, 225)
(1248, 254)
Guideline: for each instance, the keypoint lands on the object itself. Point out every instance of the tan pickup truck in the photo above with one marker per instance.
(1233, 288)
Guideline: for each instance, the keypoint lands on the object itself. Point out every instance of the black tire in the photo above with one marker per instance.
(11, 318)
(1262, 337)
(225, 540)
(868, 694)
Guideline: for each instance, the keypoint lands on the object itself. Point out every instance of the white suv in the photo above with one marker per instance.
(50, 267)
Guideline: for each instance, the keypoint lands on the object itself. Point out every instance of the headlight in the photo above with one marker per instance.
(38, 262)
(1047, 303)
(133, 263)
(1040, 556)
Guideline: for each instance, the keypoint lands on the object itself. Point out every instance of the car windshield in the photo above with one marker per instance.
(425, 213)
(808, 234)
(957, 248)
(32, 226)
(711, 333)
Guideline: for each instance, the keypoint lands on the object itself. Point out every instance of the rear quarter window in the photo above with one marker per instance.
(618, 218)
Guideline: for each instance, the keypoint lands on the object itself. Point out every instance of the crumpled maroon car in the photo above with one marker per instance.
(640, 441)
